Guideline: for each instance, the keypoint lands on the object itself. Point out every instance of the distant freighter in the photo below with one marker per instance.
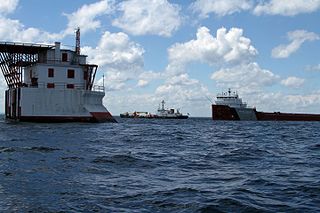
(229, 106)
(162, 113)
(50, 84)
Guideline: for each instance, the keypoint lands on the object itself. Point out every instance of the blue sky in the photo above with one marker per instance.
(184, 51)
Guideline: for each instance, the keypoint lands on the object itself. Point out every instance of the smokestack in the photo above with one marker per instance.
(57, 51)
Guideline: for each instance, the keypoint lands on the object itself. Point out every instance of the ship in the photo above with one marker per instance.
(136, 114)
(162, 113)
(228, 106)
(47, 83)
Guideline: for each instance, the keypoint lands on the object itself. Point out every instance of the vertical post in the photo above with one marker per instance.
(103, 82)
(78, 41)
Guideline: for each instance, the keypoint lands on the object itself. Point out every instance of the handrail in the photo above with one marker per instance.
(62, 85)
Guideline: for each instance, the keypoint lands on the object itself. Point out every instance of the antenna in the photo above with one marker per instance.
(208, 99)
(78, 41)
(162, 104)
(103, 81)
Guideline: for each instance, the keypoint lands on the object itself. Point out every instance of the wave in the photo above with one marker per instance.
(123, 160)
(42, 149)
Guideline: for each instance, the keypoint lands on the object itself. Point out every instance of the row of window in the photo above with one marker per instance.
(70, 73)
(52, 85)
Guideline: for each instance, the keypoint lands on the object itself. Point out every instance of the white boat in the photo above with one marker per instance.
(169, 113)
(162, 113)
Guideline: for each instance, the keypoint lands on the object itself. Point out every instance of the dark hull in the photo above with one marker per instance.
(97, 117)
(155, 117)
(221, 112)
(178, 117)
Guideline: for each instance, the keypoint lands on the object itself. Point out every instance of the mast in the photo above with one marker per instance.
(162, 103)
(78, 41)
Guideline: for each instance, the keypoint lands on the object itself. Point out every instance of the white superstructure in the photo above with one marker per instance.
(169, 113)
(230, 99)
(48, 84)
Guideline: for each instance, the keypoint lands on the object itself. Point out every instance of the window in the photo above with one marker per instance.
(85, 75)
(70, 86)
(50, 85)
(50, 72)
(64, 56)
(70, 73)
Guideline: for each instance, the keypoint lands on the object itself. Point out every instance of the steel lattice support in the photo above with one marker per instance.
(14, 57)
(90, 70)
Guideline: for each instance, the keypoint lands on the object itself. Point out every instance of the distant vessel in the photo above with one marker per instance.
(229, 106)
(50, 84)
(162, 113)
(169, 113)
(136, 115)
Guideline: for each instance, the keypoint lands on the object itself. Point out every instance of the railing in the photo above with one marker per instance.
(74, 61)
(61, 85)
(98, 88)
(26, 44)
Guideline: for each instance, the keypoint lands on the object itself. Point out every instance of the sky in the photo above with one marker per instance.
(184, 52)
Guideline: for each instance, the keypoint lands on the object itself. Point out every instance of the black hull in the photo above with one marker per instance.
(222, 112)
(155, 117)
(96, 117)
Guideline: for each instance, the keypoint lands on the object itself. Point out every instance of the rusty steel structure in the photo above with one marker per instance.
(77, 50)
(15, 56)
(90, 71)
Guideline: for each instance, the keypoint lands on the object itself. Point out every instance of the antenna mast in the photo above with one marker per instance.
(78, 41)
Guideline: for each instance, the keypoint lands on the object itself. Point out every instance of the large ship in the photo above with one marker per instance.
(229, 106)
(162, 113)
(49, 84)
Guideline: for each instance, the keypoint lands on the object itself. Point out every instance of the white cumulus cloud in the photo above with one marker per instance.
(8, 6)
(183, 91)
(279, 101)
(305, 102)
(293, 82)
(156, 17)
(86, 16)
(286, 7)
(245, 76)
(14, 30)
(220, 7)
(296, 38)
(227, 47)
(121, 58)
(147, 76)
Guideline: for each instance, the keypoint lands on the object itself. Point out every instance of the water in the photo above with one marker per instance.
(194, 165)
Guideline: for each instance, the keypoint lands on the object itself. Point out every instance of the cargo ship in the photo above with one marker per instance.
(162, 113)
(47, 83)
(228, 106)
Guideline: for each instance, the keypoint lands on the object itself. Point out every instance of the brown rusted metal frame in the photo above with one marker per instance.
(91, 70)
(13, 59)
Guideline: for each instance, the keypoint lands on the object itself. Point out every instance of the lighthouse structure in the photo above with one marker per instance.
(49, 84)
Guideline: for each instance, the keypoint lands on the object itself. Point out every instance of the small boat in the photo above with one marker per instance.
(162, 113)
(136, 115)
(169, 113)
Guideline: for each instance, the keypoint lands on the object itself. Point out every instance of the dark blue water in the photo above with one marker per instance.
(194, 165)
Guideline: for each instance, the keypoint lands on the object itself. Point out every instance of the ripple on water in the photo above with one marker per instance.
(123, 160)
(197, 165)
(42, 149)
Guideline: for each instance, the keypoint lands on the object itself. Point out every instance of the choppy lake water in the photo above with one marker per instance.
(193, 165)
